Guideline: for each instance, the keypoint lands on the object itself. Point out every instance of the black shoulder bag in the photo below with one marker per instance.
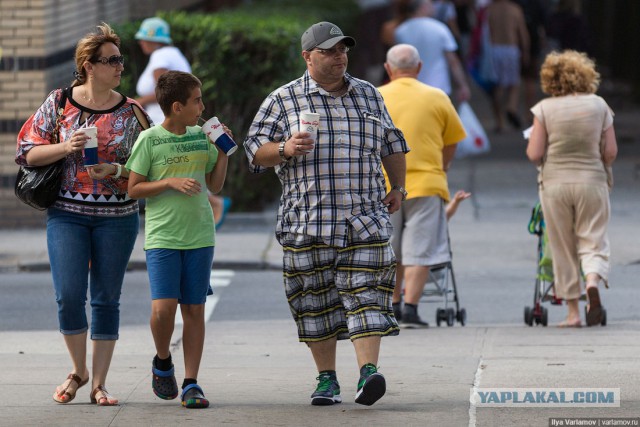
(38, 186)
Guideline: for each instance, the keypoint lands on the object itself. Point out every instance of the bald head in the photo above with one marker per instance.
(403, 60)
(403, 57)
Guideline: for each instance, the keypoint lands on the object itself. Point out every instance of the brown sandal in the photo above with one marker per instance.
(105, 399)
(66, 396)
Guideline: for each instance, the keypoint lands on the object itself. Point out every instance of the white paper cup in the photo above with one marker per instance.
(309, 122)
(90, 155)
(218, 136)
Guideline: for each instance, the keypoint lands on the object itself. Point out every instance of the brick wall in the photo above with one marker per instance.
(37, 42)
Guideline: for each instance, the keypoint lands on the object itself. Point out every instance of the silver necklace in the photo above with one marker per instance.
(92, 101)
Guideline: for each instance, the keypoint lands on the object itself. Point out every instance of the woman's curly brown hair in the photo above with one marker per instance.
(567, 72)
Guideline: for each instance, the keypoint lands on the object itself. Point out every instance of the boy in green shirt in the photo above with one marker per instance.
(172, 165)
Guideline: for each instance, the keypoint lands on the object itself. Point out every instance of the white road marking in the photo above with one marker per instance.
(474, 389)
(219, 279)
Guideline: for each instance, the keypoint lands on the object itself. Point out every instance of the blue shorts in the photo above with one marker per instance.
(506, 62)
(180, 274)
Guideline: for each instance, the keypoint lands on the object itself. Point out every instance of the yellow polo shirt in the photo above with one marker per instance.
(429, 122)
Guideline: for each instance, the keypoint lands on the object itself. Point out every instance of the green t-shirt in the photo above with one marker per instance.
(174, 220)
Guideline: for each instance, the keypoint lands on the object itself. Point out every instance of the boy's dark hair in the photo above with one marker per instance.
(175, 86)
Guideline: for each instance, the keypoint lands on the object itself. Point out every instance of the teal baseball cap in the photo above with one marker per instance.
(154, 30)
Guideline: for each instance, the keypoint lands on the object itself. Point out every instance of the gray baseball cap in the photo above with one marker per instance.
(324, 35)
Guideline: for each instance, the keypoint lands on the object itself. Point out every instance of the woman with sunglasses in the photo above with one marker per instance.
(92, 226)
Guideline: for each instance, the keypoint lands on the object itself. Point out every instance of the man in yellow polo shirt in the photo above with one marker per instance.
(432, 129)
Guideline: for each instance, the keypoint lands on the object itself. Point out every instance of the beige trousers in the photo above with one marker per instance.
(576, 217)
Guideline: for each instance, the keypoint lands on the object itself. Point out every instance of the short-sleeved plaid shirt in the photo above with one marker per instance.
(340, 183)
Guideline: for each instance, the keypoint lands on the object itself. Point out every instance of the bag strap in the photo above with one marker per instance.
(63, 100)
(59, 111)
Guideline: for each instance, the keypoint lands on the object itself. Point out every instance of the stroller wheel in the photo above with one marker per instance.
(451, 316)
(461, 316)
(441, 315)
(528, 316)
(544, 319)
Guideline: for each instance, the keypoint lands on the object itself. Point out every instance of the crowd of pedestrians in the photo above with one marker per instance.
(365, 200)
(519, 33)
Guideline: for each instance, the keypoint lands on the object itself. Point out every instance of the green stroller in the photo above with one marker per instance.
(544, 290)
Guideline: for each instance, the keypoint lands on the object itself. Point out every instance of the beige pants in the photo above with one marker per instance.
(576, 216)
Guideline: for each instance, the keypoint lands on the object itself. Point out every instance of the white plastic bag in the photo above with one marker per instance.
(476, 141)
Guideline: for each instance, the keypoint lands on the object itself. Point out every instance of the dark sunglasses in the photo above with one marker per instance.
(113, 60)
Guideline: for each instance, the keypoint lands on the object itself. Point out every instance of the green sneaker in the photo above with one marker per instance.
(371, 386)
(328, 390)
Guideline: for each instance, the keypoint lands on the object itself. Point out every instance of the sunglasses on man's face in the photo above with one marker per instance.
(113, 60)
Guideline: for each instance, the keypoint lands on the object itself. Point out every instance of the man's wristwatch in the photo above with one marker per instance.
(281, 151)
(401, 190)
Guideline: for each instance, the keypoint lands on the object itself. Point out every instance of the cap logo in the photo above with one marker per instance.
(335, 31)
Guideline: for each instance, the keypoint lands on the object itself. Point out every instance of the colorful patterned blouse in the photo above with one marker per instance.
(118, 129)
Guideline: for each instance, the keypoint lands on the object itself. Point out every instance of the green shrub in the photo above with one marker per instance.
(240, 56)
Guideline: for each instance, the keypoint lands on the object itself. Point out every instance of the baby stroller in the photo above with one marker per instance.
(544, 290)
(441, 288)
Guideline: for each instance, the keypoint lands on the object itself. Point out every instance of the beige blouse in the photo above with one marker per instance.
(575, 126)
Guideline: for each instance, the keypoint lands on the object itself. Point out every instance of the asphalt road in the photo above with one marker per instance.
(28, 301)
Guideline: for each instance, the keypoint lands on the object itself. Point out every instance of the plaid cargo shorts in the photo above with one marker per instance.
(342, 292)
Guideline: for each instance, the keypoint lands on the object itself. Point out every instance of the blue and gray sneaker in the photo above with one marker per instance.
(328, 390)
(371, 386)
